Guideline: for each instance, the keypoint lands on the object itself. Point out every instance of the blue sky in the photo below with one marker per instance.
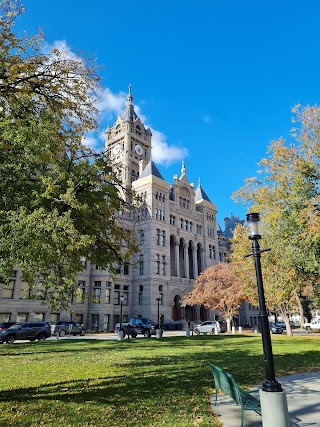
(215, 80)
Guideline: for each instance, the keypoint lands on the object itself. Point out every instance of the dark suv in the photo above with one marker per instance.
(6, 325)
(65, 327)
(25, 331)
(142, 326)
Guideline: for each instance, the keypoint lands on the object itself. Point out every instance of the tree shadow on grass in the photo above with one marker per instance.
(175, 373)
(160, 385)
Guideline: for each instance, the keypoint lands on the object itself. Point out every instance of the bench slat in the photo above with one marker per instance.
(227, 384)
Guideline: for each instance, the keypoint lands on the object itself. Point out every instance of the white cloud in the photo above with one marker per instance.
(63, 48)
(163, 153)
(90, 140)
(112, 104)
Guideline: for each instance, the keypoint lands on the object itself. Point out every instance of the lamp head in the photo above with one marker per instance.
(253, 221)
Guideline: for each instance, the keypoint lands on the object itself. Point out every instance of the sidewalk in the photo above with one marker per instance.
(303, 396)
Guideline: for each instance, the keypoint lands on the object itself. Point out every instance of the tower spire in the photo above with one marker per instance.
(129, 113)
(129, 101)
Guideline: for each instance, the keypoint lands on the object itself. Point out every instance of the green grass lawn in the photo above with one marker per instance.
(141, 382)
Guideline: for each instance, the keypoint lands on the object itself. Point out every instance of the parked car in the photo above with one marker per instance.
(146, 327)
(124, 327)
(223, 325)
(314, 324)
(6, 325)
(25, 331)
(64, 327)
(274, 329)
(207, 327)
(283, 325)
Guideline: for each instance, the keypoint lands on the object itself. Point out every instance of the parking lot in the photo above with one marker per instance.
(114, 337)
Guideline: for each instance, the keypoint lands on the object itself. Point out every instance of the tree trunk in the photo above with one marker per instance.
(286, 320)
(301, 312)
(228, 320)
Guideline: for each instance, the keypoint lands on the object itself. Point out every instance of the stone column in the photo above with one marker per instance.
(202, 259)
(186, 261)
(195, 262)
(177, 260)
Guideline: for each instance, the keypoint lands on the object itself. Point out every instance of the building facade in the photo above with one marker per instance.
(178, 237)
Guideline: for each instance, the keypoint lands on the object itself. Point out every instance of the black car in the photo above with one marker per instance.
(25, 331)
(146, 327)
(6, 325)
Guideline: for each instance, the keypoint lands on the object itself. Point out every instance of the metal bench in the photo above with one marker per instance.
(226, 383)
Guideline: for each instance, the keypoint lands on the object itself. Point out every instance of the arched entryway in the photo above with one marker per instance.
(176, 309)
(203, 313)
(183, 312)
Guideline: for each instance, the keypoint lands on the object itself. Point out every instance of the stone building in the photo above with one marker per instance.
(177, 231)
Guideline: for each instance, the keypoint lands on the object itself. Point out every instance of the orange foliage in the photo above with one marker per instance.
(218, 287)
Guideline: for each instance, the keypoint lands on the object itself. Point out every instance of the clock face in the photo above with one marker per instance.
(116, 149)
(138, 150)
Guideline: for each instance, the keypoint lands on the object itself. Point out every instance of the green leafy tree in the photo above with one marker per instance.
(287, 197)
(59, 200)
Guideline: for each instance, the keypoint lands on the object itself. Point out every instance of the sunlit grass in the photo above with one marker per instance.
(141, 382)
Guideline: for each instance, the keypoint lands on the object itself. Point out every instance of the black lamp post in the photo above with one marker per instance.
(270, 384)
(158, 301)
(121, 302)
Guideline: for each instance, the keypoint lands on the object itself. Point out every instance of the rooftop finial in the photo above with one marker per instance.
(199, 182)
(129, 97)
(183, 169)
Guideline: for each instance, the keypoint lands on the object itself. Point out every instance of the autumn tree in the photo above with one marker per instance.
(59, 199)
(287, 198)
(218, 287)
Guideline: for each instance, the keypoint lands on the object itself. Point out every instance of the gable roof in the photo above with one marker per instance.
(201, 194)
(151, 170)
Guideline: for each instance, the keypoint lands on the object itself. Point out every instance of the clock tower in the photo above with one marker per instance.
(128, 143)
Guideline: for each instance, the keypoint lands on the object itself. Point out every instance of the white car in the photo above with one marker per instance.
(314, 324)
(208, 327)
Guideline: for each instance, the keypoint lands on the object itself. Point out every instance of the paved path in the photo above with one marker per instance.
(303, 396)
(112, 336)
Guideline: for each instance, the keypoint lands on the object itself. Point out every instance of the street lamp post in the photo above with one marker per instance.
(158, 301)
(158, 330)
(239, 320)
(273, 398)
(121, 302)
